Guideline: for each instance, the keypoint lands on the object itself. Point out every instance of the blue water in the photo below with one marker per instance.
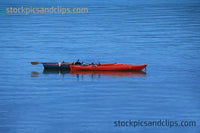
(165, 35)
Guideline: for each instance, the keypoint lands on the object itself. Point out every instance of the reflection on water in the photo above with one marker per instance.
(92, 74)
(35, 74)
(110, 73)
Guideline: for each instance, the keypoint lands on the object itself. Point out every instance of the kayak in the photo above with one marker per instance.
(77, 66)
(62, 66)
(107, 67)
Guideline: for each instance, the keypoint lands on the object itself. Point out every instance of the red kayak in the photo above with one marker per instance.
(107, 67)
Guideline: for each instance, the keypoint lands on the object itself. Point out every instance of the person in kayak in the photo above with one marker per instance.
(78, 62)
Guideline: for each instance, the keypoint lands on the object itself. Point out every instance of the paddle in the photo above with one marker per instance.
(35, 63)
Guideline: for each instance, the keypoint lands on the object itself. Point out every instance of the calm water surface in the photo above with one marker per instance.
(164, 35)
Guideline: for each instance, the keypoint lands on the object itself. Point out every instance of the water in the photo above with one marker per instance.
(164, 35)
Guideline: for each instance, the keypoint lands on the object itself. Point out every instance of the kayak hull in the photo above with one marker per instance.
(57, 66)
(108, 67)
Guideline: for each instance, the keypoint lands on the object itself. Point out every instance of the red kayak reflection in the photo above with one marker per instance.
(110, 73)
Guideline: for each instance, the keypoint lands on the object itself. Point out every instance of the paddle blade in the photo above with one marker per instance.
(35, 63)
(69, 63)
